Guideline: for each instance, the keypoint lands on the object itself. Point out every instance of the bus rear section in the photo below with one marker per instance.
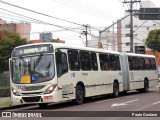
(140, 72)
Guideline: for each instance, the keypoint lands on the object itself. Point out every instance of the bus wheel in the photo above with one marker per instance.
(115, 89)
(124, 93)
(79, 95)
(146, 86)
(43, 105)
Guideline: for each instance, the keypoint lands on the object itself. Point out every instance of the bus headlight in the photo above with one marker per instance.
(50, 89)
(15, 92)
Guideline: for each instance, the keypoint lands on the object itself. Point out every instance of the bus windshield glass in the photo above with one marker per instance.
(32, 69)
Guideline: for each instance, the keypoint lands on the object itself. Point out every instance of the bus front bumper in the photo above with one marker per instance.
(28, 99)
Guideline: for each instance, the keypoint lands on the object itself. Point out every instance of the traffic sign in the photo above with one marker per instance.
(149, 14)
(140, 49)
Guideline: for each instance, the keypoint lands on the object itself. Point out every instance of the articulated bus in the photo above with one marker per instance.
(51, 72)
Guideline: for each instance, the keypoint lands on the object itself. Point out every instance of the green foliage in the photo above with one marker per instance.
(153, 40)
(54, 40)
(6, 103)
(8, 41)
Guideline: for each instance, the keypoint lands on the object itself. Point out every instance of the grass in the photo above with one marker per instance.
(5, 103)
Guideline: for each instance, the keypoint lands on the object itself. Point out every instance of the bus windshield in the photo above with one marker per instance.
(32, 69)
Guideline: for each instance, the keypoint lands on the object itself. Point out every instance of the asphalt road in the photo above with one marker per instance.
(142, 106)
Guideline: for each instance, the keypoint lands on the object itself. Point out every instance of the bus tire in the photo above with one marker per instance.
(124, 93)
(43, 105)
(115, 89)
(146, 86)
(79, 95)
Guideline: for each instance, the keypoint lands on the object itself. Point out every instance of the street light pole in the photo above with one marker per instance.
(131, 25)
(82, 40)
(100, 32)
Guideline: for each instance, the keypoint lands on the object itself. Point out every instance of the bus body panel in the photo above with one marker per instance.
(125, 72)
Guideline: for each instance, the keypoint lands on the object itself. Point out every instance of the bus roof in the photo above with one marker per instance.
(140, 55)
(62, 45)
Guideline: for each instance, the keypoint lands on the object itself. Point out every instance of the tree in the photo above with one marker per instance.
(55, 40)
(153, 40)
(8, 41)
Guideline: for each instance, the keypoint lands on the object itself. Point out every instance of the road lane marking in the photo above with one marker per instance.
(156, 103)
(124, 103)
(131, 101)
(107, 100)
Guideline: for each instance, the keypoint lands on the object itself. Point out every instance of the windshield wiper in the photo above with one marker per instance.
(38, 60)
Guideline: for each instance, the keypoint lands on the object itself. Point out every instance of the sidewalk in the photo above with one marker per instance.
(5, 102)
(3, 99)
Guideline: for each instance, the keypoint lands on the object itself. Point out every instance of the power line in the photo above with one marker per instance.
(79, 6)
(140, 26)
(22, 16)
(86, 8)
(39, 21)
(38, 12)
(93, 8)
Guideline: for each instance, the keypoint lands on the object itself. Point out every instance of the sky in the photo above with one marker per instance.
(96, 13)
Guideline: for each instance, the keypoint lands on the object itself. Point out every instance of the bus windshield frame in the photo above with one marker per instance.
(32, 69)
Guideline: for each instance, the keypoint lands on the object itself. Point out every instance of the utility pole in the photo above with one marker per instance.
(131, 2)
(113, 39)
(86, 33)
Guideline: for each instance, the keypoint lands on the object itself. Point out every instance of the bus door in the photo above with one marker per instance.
(63, 78)
(86, 72)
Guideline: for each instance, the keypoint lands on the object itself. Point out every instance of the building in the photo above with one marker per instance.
(156, 54)
(22, 28)
(37, 41)
(140, 30)
(41, 41)
(45, 36)
(106, 41)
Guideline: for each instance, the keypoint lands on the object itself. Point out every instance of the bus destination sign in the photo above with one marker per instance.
(27, 50)
(33, 50)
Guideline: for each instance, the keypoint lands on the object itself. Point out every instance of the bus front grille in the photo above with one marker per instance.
(32, 93)
(31, 88)
(31, 99)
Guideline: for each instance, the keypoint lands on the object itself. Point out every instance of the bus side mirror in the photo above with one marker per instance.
(158, 78)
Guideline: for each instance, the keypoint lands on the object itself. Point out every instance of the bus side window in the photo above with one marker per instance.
(153, 64)
(142, 63)
(61, 62)
(104, 61)
(130, 63)
(85, 60)
(148, 63)
(94, 61)
(73, 57)
(135, 63)
(118, 63)
(113, 62)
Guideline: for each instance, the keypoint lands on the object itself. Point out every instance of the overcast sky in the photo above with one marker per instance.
(96, 13)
